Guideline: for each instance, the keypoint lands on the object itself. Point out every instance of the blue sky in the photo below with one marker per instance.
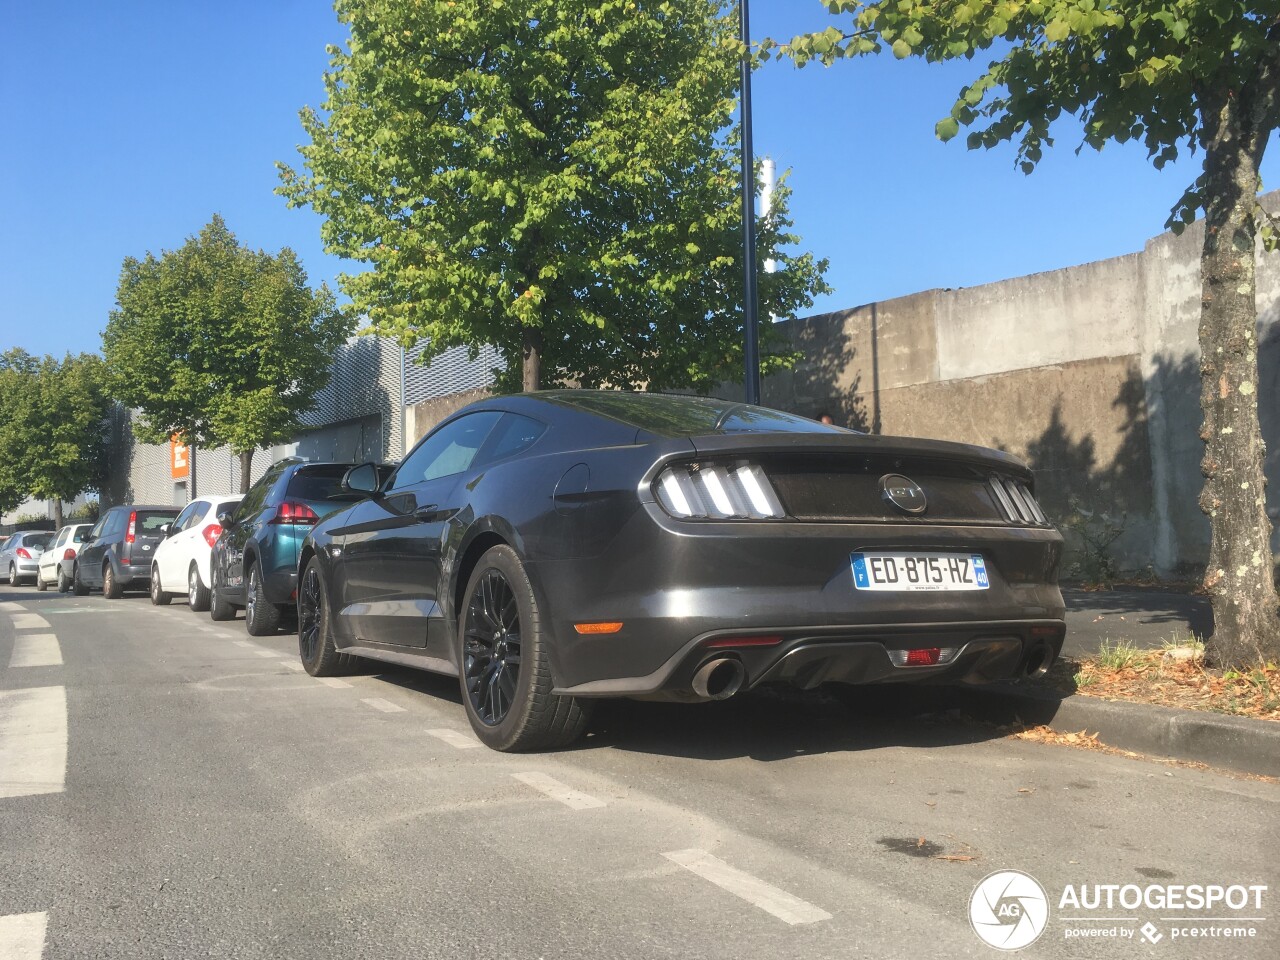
(132, 123)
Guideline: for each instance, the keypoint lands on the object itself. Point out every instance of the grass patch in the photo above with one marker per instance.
(1121, 671)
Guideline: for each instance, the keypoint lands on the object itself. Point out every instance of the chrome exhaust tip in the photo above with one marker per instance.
(1039, 659)
(719, 679)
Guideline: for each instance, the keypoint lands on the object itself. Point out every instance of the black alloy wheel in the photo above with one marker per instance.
(316, 649)
(492, 648)
(504, 667)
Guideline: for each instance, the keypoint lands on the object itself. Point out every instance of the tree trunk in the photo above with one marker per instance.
(246, 461)
(57, 513)
(532, 357)
(1239, 576)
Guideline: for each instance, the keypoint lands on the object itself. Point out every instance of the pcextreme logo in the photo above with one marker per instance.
(1009, 910)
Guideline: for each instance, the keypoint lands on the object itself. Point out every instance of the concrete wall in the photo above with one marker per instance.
(421, 417)
(1090, 373)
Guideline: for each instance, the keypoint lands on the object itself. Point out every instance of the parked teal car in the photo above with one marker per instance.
(254, 564)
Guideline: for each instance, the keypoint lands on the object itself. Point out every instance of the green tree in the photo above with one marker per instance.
(553, 177)
(220, 344)
(53, 425)
(1176, 75)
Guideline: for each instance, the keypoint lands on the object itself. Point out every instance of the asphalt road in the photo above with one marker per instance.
(172, 788)
(1146, 618)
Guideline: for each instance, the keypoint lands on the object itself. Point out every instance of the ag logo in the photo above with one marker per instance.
(1009, 910)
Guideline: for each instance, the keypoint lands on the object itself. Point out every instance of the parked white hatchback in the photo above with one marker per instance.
(182, 558)
(58, 559)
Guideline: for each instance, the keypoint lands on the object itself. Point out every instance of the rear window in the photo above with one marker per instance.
(673, 416)
(320, 483)
(150, 521)
(38, 539)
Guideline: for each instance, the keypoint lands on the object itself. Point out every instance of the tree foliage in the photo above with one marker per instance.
(52, 427)
(1175, 75)
(220, 344)
(553, 177)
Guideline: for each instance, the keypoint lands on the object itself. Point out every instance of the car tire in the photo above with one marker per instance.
(219, 609)
(158, 597)
(112, 588)
(261, 616)
(197, 592)
(78, 586)
(64, 582)
(14, 579)
(40, 584)
(316, 649)
(510, 710)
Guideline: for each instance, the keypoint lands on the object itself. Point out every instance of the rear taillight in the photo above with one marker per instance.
(718, 492)
(23, 554)
(295, 513)
(131, 535)
(68, 554)
(211, 534)
(1016, 502)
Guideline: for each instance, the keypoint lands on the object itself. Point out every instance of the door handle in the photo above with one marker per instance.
(426, 514)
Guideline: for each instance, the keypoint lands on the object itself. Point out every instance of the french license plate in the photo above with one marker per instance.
(919, 571)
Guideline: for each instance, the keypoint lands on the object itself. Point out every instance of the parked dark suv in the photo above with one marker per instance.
(117, 552)
(255, 561)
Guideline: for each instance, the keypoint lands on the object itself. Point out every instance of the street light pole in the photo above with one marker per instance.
(750, 306)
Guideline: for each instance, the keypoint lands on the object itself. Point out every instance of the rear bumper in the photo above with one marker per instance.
(134, 572)
(859, 654)
(677, 588)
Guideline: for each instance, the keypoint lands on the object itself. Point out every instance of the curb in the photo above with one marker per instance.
(1235, 743)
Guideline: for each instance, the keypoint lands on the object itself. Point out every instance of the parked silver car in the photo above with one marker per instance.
(20, 557)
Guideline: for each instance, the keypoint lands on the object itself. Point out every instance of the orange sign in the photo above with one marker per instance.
(179, 459)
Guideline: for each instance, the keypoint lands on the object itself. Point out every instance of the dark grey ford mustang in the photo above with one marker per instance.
(555, 547)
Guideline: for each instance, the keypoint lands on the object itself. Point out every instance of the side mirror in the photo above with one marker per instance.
(166, 530)
(362, 479)
(224, 518)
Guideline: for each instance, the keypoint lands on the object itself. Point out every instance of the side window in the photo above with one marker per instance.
(198, 510)
(448, 451)
(512, 435)
(257, 495)
(184, 518)
(114, 525)
(98, 527)
(62, 536)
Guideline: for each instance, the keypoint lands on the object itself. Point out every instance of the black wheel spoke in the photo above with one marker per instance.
(491, 648)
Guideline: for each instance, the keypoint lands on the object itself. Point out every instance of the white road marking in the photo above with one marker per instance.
(334, 682)
(386, 706)
(556, 790)
(35, 650)
(266, 653)
(28, 621)
(33, 741)
(292, 665)
(755, 891)
(244, 643)
(455, 739)
(22, 936)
